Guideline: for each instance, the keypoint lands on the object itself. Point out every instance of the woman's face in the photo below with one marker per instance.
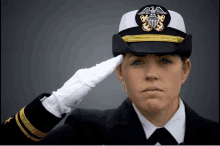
(164, 72)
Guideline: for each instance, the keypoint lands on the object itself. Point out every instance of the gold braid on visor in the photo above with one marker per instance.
(152, 37)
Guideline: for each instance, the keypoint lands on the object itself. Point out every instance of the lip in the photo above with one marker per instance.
(152, 89)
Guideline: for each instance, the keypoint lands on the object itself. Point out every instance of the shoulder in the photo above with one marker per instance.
(207, 126)
(197, 120)
(201, 121)
(200, 130)
(199, 126)
(208, 123)
(208, 130)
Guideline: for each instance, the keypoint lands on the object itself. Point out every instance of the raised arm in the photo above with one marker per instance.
(34, 121)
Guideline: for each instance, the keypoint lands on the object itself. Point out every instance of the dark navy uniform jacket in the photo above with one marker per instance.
(33, 125)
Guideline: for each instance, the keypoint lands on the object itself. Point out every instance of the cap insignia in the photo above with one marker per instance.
(152, 18)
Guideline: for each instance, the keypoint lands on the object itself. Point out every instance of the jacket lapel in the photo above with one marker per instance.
(194, 125)
(127, 126)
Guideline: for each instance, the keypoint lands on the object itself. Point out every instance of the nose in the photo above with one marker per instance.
(152, 72)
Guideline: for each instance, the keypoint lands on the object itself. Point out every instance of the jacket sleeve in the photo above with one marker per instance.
(30, 125)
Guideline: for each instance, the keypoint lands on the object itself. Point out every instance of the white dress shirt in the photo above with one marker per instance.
(176, 125)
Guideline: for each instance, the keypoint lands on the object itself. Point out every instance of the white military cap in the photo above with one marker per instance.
(152, 29)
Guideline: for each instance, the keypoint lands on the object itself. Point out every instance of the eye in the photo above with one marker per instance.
(165, 61)
(136, 62)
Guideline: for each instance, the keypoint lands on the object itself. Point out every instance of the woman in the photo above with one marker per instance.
(151, 54)
(153, 84)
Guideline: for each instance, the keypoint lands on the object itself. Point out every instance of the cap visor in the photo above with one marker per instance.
(152, 47)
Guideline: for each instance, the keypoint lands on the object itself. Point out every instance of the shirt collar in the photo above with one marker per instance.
(176, 125)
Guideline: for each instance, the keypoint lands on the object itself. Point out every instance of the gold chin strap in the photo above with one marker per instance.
(152, 37)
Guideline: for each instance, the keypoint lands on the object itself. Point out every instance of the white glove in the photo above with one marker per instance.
(73, 91)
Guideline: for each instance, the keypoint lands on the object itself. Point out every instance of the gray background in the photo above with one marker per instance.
(45, 42)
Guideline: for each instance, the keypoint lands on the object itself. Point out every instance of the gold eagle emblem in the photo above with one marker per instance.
(152, 18)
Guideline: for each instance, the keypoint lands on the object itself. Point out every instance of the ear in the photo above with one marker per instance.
(118, 71)
(186, 71)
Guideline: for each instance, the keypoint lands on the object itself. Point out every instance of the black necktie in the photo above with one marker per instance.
(162, 136)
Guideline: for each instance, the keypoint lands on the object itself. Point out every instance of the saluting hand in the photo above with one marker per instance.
(73, 90)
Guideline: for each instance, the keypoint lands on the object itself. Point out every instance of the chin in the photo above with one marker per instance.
(152, 104)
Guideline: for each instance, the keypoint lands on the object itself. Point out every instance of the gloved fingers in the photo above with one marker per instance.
(102, 70)
(113, 62)
(118, 59)
(106, 67)
(95, 74)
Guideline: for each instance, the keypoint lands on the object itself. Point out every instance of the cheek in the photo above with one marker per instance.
(133, 79)
(172, 81)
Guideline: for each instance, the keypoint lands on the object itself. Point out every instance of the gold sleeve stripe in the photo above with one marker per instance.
(29, 126)
(152, 37)
(22, 129)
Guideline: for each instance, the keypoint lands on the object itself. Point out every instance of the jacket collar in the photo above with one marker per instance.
(127, 117)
